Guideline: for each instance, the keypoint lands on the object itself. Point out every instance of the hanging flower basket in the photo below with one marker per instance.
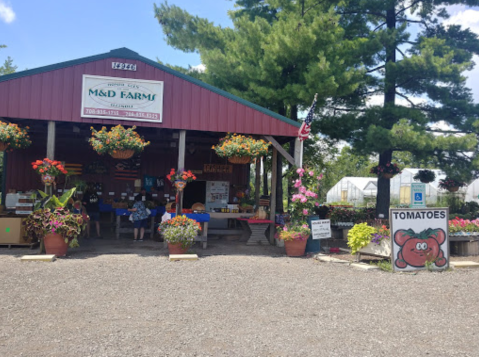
(387, 176)
(3, 146)
(239, 159)
(119, 142)
(13, 137)
(122, 154)
(425, 176)
(180, 185)
(453, 189)
(239, 149)
(48, 180)
(450, 184)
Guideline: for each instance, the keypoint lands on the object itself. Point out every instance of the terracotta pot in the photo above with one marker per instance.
(48, 179)
(239, 160)
(295, 248)
(3, 146)
(55, 244)
(176, 248)
(453, 189)
(122, 154)
(388, 176)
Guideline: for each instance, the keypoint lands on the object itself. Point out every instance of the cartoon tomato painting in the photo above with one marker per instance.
(418, 248)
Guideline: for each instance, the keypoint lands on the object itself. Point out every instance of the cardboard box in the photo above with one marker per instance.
(12, 231)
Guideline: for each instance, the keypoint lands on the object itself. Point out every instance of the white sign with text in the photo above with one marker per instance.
(122, 98)
(321, 229)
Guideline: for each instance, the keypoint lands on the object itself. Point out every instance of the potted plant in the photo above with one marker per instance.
(181, 178)
(180, 233)
(450, 184)
(58, 228)
(303, 203)
(48, 169)
(13, 137)
(463, 227)
(239, 149)
(119, 142)
(425, 176)
(387, 171)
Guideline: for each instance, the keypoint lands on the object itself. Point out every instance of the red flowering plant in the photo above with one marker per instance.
(48, 167)
(181, 175)
(389, 168)
(450, 182)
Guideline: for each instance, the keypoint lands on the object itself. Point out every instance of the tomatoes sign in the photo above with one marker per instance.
(419, 239)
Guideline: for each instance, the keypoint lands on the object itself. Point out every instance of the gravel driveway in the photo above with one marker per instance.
(134, 305)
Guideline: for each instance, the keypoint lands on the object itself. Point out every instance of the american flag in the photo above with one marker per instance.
(305, 129)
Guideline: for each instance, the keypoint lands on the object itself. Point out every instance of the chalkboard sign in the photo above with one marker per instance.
(321, 229)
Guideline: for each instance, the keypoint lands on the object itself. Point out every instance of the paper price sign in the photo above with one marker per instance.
(321, 229)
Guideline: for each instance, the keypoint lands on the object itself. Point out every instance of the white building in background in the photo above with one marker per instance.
(356, 189)
(401, 186)
(353, 190)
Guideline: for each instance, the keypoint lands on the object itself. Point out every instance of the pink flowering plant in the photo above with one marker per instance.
(303, 204)
(459, 225)
(389, 168)
(450, 182)
(60, 220)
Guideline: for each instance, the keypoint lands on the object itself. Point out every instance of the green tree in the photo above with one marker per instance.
(278, 53)
(8, 66)
(416, 65)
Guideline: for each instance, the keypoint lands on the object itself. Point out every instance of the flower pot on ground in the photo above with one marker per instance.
(239, 149)
(295, 248)
(119, 142)
(177, 248)
(13, 137)
(59, 222)
(55, 244)
(180, 232)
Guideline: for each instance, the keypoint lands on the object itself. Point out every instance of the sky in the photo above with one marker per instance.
(40, 33)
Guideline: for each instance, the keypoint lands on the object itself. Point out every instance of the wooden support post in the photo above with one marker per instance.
(298, 153)
(181, 166)
(274, 173)
(51, 140)
(257, 181)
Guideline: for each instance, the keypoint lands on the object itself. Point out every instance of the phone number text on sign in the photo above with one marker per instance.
(122, 113)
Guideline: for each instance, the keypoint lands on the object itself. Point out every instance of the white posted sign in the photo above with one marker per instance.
(321, 229)
(418, 195)
(419, 238)
(122, 98)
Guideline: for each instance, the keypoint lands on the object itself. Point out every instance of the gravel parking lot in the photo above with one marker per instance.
(231, 305)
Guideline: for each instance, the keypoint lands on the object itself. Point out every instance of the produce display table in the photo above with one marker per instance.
(255, 230)
(464, 245)
(123, 212)
(203, 219)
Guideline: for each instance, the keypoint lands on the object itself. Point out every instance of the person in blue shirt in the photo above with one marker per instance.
(140, 218)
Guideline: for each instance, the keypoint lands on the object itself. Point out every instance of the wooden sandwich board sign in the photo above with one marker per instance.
(419, 238)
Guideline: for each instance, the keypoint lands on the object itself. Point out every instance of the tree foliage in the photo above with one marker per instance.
(7, 66)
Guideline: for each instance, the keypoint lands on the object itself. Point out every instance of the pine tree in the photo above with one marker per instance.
(421, 83)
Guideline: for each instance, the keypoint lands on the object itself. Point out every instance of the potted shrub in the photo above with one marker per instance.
(450, 184)
(180, 233)
(239, 149)
(48, 170)
(13, 137)
(363, 238)
(303, 203)
(119, 142)
(425, 176)
(387, 171)
(58, 228)
(463, 227)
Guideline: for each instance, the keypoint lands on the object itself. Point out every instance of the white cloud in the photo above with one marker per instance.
(199, 68)
(379, 100)
(6, 12)
(467, 18)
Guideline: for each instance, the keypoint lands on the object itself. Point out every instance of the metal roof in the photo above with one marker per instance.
(53, 93)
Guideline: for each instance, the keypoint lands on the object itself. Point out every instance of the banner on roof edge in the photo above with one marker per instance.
(122, 98)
